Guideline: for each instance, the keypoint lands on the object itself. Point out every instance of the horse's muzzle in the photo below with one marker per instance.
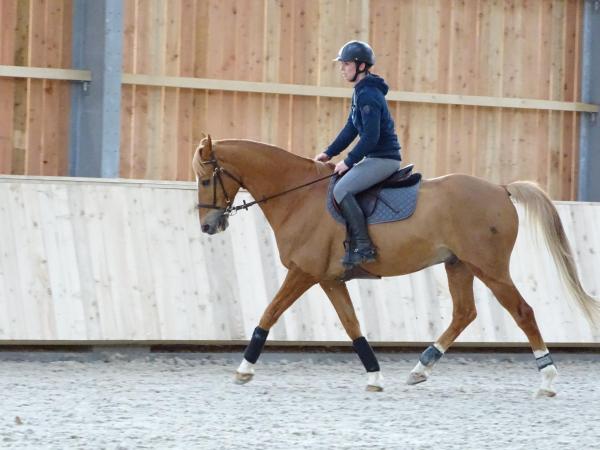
(215, 224)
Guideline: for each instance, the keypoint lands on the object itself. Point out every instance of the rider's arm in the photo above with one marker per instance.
(370, 113)
(344, 139)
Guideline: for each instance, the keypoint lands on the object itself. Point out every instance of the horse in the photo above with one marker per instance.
(468, 224)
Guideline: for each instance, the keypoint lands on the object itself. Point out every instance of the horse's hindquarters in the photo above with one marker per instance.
(457, 217)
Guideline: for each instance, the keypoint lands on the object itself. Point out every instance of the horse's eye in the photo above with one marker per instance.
(205, 182)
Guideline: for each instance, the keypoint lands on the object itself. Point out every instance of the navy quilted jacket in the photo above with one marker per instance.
(370, 119)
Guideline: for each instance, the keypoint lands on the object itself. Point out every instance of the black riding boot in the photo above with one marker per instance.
(360, 248)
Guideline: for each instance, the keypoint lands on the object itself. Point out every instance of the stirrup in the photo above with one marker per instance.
(356, 256)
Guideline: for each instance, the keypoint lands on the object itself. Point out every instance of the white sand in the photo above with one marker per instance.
(306, 400)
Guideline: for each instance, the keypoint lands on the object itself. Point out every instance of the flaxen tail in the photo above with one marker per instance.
(542, 214)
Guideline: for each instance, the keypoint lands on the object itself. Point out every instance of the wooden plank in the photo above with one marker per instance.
(385, 38)
(126, 299)
(54, 120)
(171, 55)
(219, 117)
(155, 155)
(81, 217)
(574, 187)
(568, 185)
(63, 268)
(463, 67)
(42, 73)
(186, 124)
(21, 57)
(305, 56)
(271, 57)
(555, 140)
(128, 91)
(308, 90)
(570, 146)
(443, 76)
(14, 266)
(248, 107)
(35, 89)
(286, 58)
(8, 22)
(199, 102)
(64, 90)
(556, 50)
(140, 140)
(511, 87)
(487, 143)
(332, 114)
(426, 18)
(106, 314)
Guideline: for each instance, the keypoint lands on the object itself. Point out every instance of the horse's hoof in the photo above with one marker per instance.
(545, 393)
(242, 378)
(416, 378)
(373, 388)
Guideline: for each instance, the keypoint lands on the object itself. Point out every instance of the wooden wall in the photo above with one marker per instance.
(101, 260)
(34, 114)
(473, 47)
(509, 48)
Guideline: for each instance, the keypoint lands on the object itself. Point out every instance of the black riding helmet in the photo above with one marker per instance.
(359, 52)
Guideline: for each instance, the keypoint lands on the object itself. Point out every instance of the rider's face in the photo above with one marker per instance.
(348, 69)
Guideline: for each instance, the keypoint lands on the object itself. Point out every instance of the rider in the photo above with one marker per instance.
(375, 157)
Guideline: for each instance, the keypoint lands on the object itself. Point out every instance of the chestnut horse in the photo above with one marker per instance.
(466, 223)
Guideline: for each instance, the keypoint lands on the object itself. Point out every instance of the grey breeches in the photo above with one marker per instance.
(363, 175)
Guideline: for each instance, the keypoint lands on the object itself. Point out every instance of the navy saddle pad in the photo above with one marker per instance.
(389, 204)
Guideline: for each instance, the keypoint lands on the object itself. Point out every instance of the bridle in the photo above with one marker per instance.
(229, 209)
(216, 177)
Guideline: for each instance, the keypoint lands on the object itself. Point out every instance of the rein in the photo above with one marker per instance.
(230, 210)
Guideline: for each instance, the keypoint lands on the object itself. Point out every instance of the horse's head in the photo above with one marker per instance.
(217, 188)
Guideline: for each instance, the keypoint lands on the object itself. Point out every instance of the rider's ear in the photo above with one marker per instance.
(206, 147)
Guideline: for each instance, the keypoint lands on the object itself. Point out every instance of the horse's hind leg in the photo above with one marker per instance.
(340, 299)
(460, 281)
(295, 284)
(509, 296)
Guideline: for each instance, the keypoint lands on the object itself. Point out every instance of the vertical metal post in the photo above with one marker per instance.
(589, 129)
(96, 105)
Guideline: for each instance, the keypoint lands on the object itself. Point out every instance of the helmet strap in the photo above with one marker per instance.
(357, 72)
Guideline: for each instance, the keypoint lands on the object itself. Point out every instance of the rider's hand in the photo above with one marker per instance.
(340, 168)
(323, 157)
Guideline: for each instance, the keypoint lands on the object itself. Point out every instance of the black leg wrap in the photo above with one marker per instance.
(430, 356)
(256, 345)
(366, 355)
(544, 361)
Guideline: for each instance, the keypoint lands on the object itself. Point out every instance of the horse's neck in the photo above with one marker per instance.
(267, 171)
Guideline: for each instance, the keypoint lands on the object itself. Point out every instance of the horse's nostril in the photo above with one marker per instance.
(205, 228)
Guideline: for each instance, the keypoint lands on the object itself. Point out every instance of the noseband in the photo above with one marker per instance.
(229, 209)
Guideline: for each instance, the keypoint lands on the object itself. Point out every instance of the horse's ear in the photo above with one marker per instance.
(206, 147)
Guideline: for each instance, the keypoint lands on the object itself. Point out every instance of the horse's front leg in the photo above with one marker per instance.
(295, 284)
(340, 298)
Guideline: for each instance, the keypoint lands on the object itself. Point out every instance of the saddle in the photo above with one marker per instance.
(393, 199)
(368, 199)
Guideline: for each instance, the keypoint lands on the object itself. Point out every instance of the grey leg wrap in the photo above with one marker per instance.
(430, 356)
(544, 361)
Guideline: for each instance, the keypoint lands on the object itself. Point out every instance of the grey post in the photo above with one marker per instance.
(96, 105)
(589, 129)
